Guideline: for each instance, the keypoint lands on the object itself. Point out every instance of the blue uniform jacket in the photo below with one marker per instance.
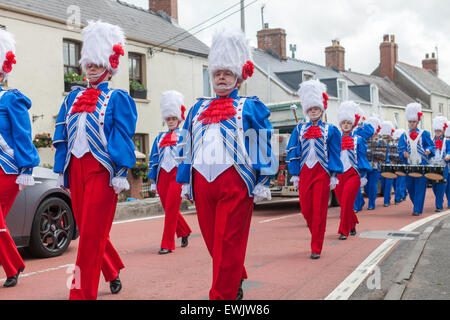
(18, 155)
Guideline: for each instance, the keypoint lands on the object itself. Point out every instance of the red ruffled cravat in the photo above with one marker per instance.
(347, 143)
(438, 144)
(313, 132)
(218, 110)
(87, 102)
(413, 135)
(169, 139)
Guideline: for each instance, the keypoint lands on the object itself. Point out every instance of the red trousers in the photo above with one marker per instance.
(10, 258)
(346, 192)
(314, 191)
(169, 192)
(94, 204)
(224, 211)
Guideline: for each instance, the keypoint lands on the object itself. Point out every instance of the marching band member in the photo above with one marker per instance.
(373, 176)
(18, 156)
(400, 181)
(447, 160)
(441, 156)
(386, 132)
(227, 162)
(366, 131)
(355, 164)
(94, 149)
(313, 157)
(163, 172)
(416, 148)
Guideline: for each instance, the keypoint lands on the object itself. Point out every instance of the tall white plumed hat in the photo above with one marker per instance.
(398, 133)
(103, 45)
(7, 52)
(172, 105)
(230, 50)
(413, 112)
(350, 111)
(313, 93)
(387, 129)
(440, 123)
(375, 123)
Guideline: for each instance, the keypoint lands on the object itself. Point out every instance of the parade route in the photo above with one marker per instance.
(277, 260)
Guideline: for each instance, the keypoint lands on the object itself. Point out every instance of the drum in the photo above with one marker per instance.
(434, 172)
(387, 171)
(416, 171)
(401, 170)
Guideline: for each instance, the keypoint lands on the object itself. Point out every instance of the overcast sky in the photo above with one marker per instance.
(419, 26)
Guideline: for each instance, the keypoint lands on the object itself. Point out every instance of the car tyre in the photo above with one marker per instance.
(52, 230)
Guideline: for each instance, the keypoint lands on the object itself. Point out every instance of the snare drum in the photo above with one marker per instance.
(416, 171)
(434, 172)
(401, 170)
(387, 171)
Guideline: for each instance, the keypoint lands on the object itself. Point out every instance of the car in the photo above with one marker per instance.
(41, 219)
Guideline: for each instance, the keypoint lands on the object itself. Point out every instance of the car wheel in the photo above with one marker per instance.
(52, 230)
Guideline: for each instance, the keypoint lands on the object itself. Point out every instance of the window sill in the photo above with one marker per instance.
(146, 101)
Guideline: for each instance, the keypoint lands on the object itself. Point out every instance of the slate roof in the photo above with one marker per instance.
(137, 23)
(388, 92)
(427, 79)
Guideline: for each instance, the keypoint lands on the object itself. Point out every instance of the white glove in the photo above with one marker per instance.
(60, 182)
(260, 193)
(153, 187)
(363, 181)
(333, 183)
(295, 180)
(120, 184)
(25, 180)
(185, 190)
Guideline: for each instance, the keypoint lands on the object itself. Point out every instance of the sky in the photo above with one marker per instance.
(419, 27)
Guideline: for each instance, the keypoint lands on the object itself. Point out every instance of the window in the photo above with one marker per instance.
(307, 75)
(139, 140)
(342, 90)
(206, 82)
(71, 50)
(441, 108)
(396, 120)
(135, 67)
(374, 95)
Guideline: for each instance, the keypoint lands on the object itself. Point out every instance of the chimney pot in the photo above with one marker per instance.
(168, 6)
(386, 38)
(427, 56)
(433, 55)
(393, 38)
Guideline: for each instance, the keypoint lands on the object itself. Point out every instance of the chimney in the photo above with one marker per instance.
(170, 7)
(273, 40)
(335, 56)
(388, 57)
(431, 64)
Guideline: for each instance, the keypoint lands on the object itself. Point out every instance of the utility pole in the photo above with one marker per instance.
(262, 15)
(243, 15)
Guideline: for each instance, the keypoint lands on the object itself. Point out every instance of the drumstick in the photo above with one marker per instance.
(294, 111)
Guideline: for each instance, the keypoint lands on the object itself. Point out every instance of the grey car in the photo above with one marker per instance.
(41, 219)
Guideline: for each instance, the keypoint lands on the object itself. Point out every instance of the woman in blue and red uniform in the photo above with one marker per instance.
(18, 156)
(313, 157)
(163, 172)
(227, 162)
(440, 158)
(355, 164)
(94, 149)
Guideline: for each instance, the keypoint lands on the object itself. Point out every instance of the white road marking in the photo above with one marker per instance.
(150, 218)
(24, 275)
(283, 217)
(344, 290)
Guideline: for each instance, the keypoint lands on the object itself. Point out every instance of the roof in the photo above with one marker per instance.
(388, 92)
(289, 72)
(427, 79)
(137, 23)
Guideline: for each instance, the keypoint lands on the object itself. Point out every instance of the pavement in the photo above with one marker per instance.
(370, 265)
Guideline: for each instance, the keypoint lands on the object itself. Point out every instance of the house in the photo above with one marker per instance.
(277, 78)
(159, 55)
(421, 83)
